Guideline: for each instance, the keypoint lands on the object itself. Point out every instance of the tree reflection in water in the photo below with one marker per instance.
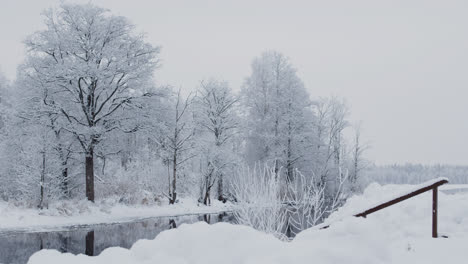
(17, 247)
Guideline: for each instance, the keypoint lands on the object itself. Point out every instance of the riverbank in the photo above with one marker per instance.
(63, 214)
(398, 234)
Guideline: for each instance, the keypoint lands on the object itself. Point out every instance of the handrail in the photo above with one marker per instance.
(433, 186)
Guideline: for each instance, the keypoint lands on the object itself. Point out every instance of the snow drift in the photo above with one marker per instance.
(398, 234)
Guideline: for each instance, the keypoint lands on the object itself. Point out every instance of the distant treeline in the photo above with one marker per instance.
(416, 173)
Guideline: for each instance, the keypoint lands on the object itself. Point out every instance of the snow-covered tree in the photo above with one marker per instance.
(30, 160)
(4, 105)
(332, 164)
(95, 71)
(278, 115)
(176, 139)
(332, 118)
(218, 123)
(358, 162)
(6, 112)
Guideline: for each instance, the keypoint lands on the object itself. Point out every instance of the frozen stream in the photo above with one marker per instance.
(17, 247)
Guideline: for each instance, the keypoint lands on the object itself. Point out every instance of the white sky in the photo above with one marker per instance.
(402, 65)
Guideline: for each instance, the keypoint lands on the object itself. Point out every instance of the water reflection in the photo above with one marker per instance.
(17, 247)
(89, 243)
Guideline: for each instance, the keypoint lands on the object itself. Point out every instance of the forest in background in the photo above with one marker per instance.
(415, 173)
(84, 119)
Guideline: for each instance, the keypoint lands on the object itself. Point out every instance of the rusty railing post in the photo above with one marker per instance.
(434, 212)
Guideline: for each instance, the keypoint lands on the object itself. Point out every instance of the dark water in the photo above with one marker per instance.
(17, 247)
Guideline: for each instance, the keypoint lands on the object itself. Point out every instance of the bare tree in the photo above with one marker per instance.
(176, 140)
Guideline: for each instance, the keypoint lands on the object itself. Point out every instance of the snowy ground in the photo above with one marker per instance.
(398, 234)
(454, 188)
(71, 213)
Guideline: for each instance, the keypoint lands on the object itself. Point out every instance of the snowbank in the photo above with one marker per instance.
(69, 213)
(398, 234)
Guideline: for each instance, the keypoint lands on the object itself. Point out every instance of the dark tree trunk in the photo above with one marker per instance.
(41, 202)
(172, 224)
(169, 178)
(207, 218)
(208, 185)
(103, 169)
(206, 199)
(174, 179)
(220, 187)
(90, 174)
(289, 165)
(64, 166)
(89, 243)
(65, 179)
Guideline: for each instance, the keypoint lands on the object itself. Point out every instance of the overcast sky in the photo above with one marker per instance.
(402, 65)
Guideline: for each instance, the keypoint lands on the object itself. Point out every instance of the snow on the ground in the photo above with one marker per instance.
(414, 214)
(70, 213)
(391, 192)
(397, 234)
(454, 188)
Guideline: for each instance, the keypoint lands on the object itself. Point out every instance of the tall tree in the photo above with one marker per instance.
(332, 168)
(358, 162)
(95, 70)
(176, 139)
(278, 111)
(217, 118)
(4, 106)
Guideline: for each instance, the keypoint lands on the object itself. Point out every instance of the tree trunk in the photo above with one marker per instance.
(206, 199)
(169, 178)
(289, 164)
(90, 174)
(208, 184)
(41, 202)
(220, 187)
(65, 180)
(64, 167)
(103, 168)
(174, 179)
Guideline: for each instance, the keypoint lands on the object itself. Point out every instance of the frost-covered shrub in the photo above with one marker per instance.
(258, 193)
